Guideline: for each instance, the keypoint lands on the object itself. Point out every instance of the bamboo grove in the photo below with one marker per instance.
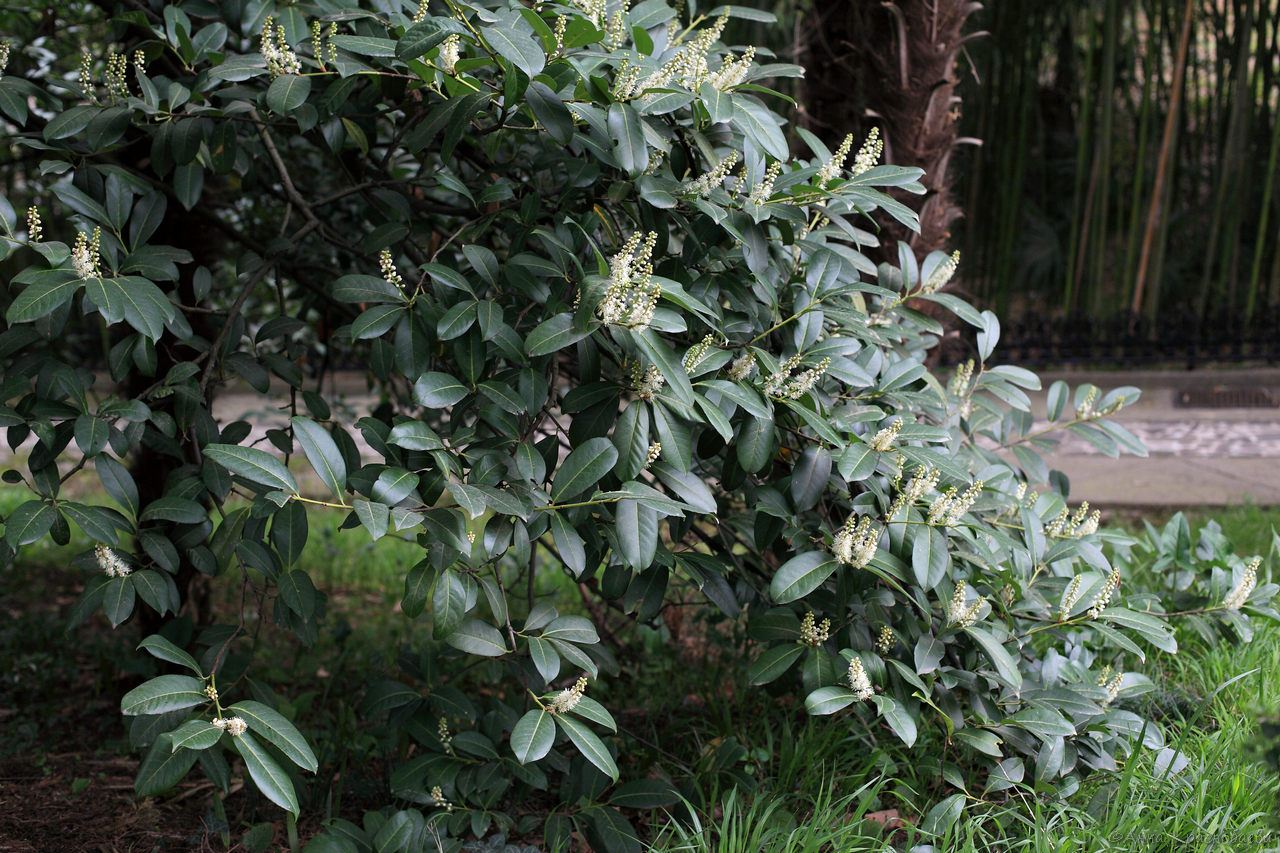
(1130, 158)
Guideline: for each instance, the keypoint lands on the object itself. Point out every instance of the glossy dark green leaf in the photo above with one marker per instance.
(273, 727)
(610, 832)
(898, 717)
(118, 483)
(118, 598)
(545, 658)
(323, 454)
(162, 768)
(194, 734)
(809, 477)
(366, 288)
(163, 693)
(417, 588)
(29, 522)
(569, 544)
(755, 443)
(801, 575)
(288, 92)
(513, 39)
(268, 776)
(478, 638)
(298, 593)
(591, 747)
(629, 147)
(929, 557)
(553, 335)
(438, 390)
(254, 465)
(828, 700)
(644, 794)
(51, 290)
(166, 650)
(775, 660)
(533, 735)
(583, 468)
(998, 655)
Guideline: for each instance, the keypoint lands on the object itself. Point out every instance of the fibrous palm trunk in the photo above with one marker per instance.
(892, 64)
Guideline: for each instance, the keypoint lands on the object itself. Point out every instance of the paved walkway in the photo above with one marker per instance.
(1198, 457)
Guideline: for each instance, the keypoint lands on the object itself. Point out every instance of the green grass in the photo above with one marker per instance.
(826, 777)
(758, 775)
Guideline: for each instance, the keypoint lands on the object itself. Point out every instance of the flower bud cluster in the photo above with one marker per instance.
(86, 254)
(884, 643)
(648, 383)
(1240, 593)
(626, 83)
(424, 9)
(34, 227)
(1112, 687)
(813, 634)
(855, 542)
(959, 384)
(652, 454)
(86, 77)
(763, 190)
(832, 168)
(1070, 597)
(388, 266)
(742, 367)
(234, 726)
(446, 739)
(211, 692)
(275, 50)
(111, 563)
(921, 483)
(568, 699)
(705, 183)
(858, 680)
(4, 57)
(1084, 411)
(632, 296)
(940, 276)
(438, 799)
(559, 29)
(960, 612)
(116, 77)
(869, 154)
(802, 383)
(732, 72)
(1103, 598)
(450, 53)
(883, 440)
(1068, 526)
(949, 508)
(774, 385)
(697, 353)
(593, 9)
(688, 67)
(615, 31)
(319, 34)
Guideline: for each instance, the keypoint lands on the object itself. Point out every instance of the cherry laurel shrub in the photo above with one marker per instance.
(619, 333)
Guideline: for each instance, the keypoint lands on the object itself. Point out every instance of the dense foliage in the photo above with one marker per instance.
(619, 334)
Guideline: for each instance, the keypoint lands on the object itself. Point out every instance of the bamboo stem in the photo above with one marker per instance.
(1155, 221)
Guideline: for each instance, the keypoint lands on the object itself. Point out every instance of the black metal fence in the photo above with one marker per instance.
(1176, 337)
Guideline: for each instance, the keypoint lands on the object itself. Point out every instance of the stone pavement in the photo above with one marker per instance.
(1198, 456)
